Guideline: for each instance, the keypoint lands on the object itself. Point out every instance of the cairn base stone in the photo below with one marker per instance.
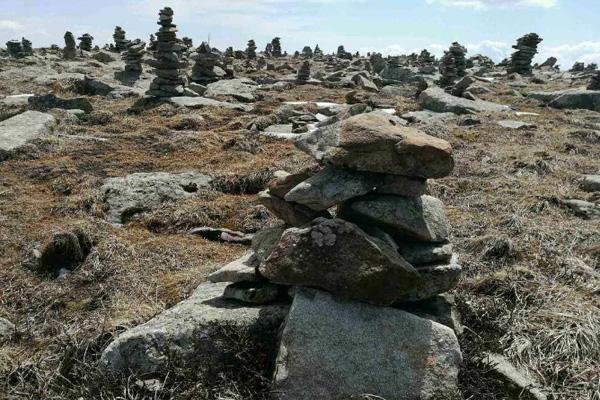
(334, 349)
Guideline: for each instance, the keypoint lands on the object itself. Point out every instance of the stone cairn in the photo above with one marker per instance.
(387, 247)
(276, 43)
(251, 49)
(307, 52)
(133, 56)
(595, 82)
(343, 54)
(167, 63)
(85, 42)
(304, 72)
(206, 60)
(15, 49)
(269, 50)
(520, 61)
(317, 52)
(120, 41)
(27, 47)
(70, 50)
(152, 43)
(453, 65)
(578, 67)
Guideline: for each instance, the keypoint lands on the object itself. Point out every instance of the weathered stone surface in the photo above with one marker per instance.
(7, 330)
(374, 142)
(265, 241)
(418, 253)
(241, 270)
(189, 329)
(16, 131)
(435, 99)
(570, 99)
(16, 100)
(441, 309)
(283, 182)
(582, 208)
(341, 258)
(48, 101)
(291, 213)
(199, 102)
(518, 125)
(252, 292)
(429, 117)
(517, 381)
(334, 349)
(242, 89)
(436, 279)
(140, 192)
(401, 186)
(422, 218)
(591, 183)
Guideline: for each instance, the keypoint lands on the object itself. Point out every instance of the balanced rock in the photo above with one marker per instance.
(341, 258)
(251, 49)
(70, 51)
(133, 56)
(206, 59)
(526, 47)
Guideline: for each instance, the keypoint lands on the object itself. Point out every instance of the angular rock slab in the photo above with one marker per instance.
(436, 279)
(335, 349)
(421, 218)
(16, 131)
(339, 257)
(188, 329)
(435, 99)
(140, 192)
(199, 102)
(569, 99)
(591, 183)
(291, 213)
(240, 89)
(241, 270)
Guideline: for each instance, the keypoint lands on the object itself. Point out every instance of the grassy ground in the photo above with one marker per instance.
(530, 289)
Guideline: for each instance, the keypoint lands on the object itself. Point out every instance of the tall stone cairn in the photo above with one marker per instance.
(27, 47)
(425, 57)
(460, 61)
(578, 67)
(526, 47)
(343, 54)
(70, 50)
(276, 43)
(85, 42)
(167, 63)
(15, 49)
(317, 52)
(251, 49)
(188, 42)
(206, 60)
(304, 72)
(595, 82)
(120, 41)
(307, 52)
(269, 50)
(133, 56)
(453, 65)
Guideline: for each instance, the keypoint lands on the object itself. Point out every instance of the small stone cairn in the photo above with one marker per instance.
(304, 72)
(343, 54)
(269, 50)
(578, 67)
(377, 62)
(206, 60)
(276, 43)
(453, 65)
(133, 56)
(251, 49)
(27, 47)
(85, 42)
(307, 52)
(70, 50)
(15, 49)
(317, 52)
(520, 61)
(595, 82)
(167, 62)
(120, 41)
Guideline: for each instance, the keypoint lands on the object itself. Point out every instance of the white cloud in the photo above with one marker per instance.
(9, 25)
(485, 4)
(568, 54)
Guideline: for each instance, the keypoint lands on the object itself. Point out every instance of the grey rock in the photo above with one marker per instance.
(518, 125)
(436, 279)
(221, 235)
(48, 101)
(418, 253)
(429, 117)
(441, 309)
(190, 329)
(422, 218)
(582, 208)
(252, 292)
(435, 99)
(591, 183)
(200, 102)
(7, 330)
(292, 213)
(140, 192)
(569, 99)
(517, 381)
(338, 256)
(265, 241)
(279, 128)
(283, 181)
(16, 100)
(242, 89)
(334, 349)
(401, 186)
(16, 131)
(241, 270)
(104, 57)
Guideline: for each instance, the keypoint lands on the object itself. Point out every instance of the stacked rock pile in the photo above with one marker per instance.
(15, 49)
(152, 43)
(120, 41)
(167, 64)
(343, 54)
(304, 72)
(269, 50)
(307, 52)
(133, 56)
(387, 245)
(578, 67)
(276, 43)
(70, 50)
(520, 61)
(595, 82)
(377, 62)
(458, 52)
(425, 57)
(317, 52)
(85, 42)
(27, 47)
(251, 49)
(206, 60)
(453, 65)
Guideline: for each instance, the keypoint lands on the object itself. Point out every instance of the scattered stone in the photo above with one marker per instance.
(517, 381)
(193, 329)
(414, 358)
(140, 192)
(86, 42)
(16, 100)
(103, 57)
(252, 292)
(65, 251)
(16, 131)
(591, 183)
(569, 99)
(241, 270)
(520, 61)
(222, 235)
(429, 117)
(518, 125)
(199, 102)
(435, 99)
(7, 330)
(339, 257)
(70, 50)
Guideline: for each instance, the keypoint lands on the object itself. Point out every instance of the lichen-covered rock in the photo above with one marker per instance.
(16, 131)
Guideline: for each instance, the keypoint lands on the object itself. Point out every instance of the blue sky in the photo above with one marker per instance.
(570, 28)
